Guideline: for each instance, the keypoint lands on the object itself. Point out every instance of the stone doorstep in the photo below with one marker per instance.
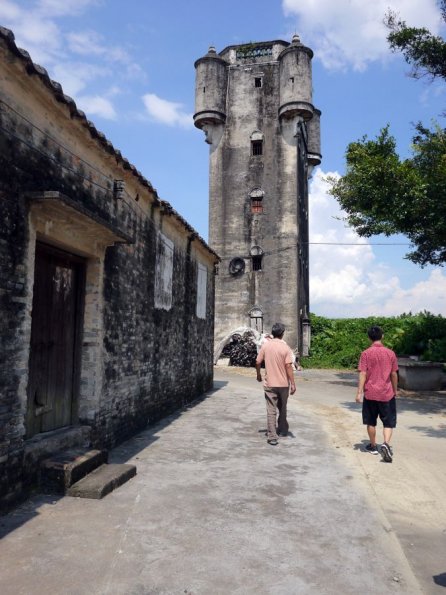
(65, 468)
(102, 481)
(44, 445)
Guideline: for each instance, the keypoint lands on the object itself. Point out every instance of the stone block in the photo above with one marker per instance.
(416, 375)
(64, 469)
(102, 481)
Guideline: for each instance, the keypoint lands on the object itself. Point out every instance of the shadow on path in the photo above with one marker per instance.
(440, 579)
(29, 509)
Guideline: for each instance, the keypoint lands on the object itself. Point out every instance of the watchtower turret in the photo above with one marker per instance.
(295, 81)
(211, 81)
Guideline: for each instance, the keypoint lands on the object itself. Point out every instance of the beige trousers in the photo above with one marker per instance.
(276, 401)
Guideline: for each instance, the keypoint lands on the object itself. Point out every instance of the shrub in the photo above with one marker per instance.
(337, 343)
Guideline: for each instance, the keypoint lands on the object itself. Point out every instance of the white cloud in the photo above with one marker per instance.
(9, 10)
(351, 33)
(167, 112)
(349, 280)
(75, 76)
(86, 43)
(40, 37)
(97, 106)
(432, 92)
(38, 31)
(91, 43)
(426, 295)
(59, 8)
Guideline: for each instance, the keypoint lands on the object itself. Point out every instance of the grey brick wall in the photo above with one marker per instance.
(155, 360)
(151, 361)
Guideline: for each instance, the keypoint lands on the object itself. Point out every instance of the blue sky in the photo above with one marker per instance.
(130, 67)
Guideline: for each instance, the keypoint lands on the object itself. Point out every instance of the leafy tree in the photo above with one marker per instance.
(426, 53)
(383, 194)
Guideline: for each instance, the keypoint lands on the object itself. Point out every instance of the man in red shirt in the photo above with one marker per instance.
(378, 381)
(278, 383)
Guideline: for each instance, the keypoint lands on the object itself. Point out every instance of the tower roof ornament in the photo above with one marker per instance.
(296, 39)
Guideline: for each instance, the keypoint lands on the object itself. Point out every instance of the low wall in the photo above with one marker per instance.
(416, 375)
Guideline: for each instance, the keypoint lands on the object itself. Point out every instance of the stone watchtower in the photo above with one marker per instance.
(254, 103)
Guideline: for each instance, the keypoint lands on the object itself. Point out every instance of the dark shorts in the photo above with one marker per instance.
(385, 409)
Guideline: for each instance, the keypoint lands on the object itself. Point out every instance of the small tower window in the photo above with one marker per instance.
(257, 263)
(256, 256)
(257, 147)
(256, 319)
(256, 206)
(257, 143)
(204, 89)
(257, 81)
(256, 197)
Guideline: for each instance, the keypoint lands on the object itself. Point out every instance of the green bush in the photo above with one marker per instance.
(337, 343)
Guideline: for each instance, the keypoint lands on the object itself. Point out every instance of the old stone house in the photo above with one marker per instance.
(106, 293)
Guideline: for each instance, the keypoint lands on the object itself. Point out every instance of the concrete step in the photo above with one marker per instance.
(102, 481)
(65, 468)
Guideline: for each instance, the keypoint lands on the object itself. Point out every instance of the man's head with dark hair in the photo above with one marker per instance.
(278, 330)
(375, 333)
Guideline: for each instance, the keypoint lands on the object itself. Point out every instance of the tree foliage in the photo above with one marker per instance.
(426, 53)
(337, 343)
(383, 194)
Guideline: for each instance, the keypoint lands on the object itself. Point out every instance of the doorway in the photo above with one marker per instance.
(57, 315)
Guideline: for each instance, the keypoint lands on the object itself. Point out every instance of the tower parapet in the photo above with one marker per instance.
(296, 81)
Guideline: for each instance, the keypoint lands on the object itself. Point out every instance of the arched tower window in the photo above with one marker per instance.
(256, 197)
(256, 143)
(256, 319)
(256, 257)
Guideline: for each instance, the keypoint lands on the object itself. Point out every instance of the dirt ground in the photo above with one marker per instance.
(214, 509)
(411, 491)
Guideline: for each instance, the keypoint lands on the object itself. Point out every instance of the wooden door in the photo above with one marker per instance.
(55, 332)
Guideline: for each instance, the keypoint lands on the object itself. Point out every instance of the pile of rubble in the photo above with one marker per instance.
(241, 350)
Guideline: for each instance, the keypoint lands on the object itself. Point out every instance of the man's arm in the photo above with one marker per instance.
(259, 360)
(259, 375)
(289, 373)
(394, 381)
(361, 383)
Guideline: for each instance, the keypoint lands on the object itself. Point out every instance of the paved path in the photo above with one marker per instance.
(215, 510)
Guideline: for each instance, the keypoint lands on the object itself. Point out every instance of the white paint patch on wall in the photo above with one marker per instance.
(202, 279)
(164, 273)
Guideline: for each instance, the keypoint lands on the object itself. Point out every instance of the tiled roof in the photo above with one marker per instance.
(56, 89)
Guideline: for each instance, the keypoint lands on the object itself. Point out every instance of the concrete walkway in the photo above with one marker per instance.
(215, 510)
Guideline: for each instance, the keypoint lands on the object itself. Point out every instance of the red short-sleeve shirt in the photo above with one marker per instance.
(378, 362)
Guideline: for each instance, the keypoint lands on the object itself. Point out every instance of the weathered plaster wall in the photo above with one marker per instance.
(250, 109)
(138, 361)
(267, 96)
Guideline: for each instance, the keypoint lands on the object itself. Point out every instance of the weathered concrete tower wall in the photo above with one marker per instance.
(254, 103)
